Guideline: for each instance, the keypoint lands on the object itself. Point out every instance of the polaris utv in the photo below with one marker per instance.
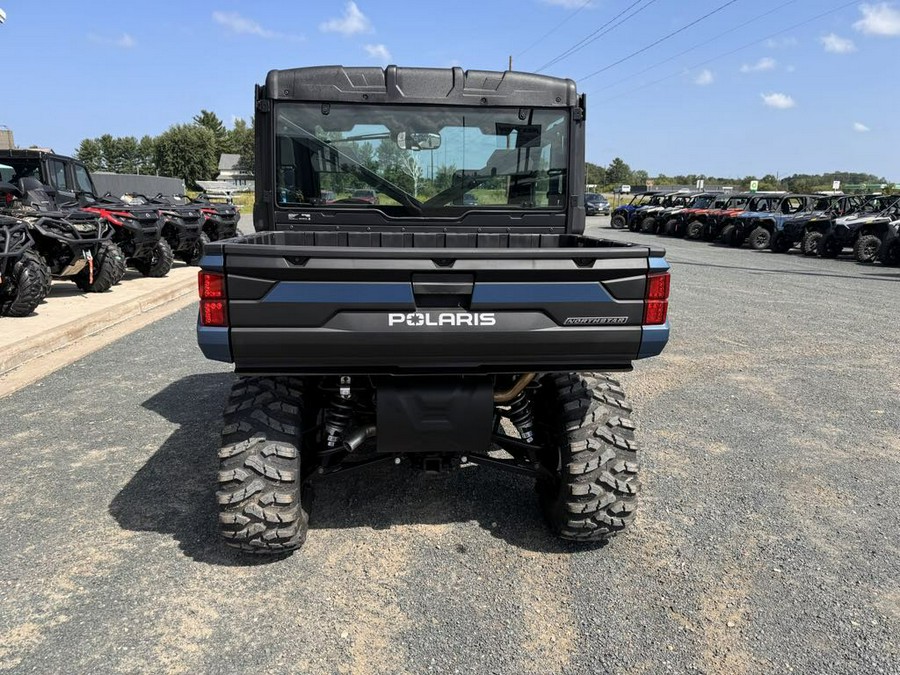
(873, 234)
(654, 205)
(812, 232)
(796, 230)
(700, 206)
(889, 252)
(845, 232)
(23, 274)
(622, 215)
(707, 224)
(74, 245)
(180, 225)
(425, 331)
(70, 188)
(655, 220)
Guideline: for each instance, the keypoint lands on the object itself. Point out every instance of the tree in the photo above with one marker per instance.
(594, 174)
(618, 172)
(147, 155)
(410, 167)
(241, 142)
(187, 151)
(90, 153)
(640, 177)
(211, 121)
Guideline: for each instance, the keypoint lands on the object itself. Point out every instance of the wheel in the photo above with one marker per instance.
(23, 291)
(590, 491)
(780, 243)
(727, 235)
(671, 228)
(760, 238)
(109, 268)
(891, 253)
(193, 258)
(829, 248)
(260, 508)
(694, 230)
(159, 263)
(866, 248)
(648, 225)
(617, 222)
(810, 243)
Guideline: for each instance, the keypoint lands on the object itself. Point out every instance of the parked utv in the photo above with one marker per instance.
(426, 331)
(698, 209)
(74, 245)
(845, 232)
(656, 220)
(839, 207)
(622, 215)
(874, 232)
(889, 253)
(654, 205)
(795, 230)
(707, 225)
(24, 277)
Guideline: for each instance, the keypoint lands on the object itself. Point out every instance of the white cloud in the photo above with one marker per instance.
(779, 101)
(881, 19)
(242, 25)
(704, 77)
(765, 63)
(860, 127)
(378, 53)
(124, 41)
(352, 22)
(835, 44)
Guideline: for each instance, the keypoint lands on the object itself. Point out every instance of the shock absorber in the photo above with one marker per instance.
(339, 415)
(521, 413)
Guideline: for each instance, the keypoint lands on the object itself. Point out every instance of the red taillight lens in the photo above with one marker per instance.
(212, 285)
(213, 313)
(213, 303)
(656, 305)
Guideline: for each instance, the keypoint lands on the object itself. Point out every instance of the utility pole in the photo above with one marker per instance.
(510, 61)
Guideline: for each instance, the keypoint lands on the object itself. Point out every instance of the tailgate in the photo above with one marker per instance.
(407, 311)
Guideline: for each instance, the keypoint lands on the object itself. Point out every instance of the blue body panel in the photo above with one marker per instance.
(654, 340)
(214, 343)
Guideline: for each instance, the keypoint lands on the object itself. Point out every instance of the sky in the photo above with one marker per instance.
(716, 87)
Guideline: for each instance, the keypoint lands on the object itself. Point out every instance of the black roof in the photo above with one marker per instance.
(444, 86)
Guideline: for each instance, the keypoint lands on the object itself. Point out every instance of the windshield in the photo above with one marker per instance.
(701, 202)
(420, 160)
(15, 168)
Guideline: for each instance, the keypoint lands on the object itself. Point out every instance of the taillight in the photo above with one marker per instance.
(656, 299)
(213, 300)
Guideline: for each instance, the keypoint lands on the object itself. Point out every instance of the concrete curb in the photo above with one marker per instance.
(178, 294)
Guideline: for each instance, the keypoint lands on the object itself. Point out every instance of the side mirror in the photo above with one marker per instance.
(418, 141)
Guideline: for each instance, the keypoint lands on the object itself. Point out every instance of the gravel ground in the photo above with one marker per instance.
(767, 539)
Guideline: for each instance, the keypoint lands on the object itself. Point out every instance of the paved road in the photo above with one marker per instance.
(767, 537)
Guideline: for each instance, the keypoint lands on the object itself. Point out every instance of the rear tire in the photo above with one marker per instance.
(193, 258)
(671, 228)
(27, 287)
(159, 263)
(780, 243)
(760, 238)
(891, 254)
(648, 226)
(694, 230)
(617, 223)
(727, 236)
(866, 248)
(109, 269)
(590, 449)
(259, 482)
(810, 244)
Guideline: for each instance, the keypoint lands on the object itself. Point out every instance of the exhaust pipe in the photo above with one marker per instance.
(359, 436)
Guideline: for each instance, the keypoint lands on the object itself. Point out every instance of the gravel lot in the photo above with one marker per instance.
(767, 538)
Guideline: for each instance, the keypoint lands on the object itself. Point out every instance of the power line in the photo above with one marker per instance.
(741, 48)
(597, 34)
(660, 40)
(552, 30)
(702, 44)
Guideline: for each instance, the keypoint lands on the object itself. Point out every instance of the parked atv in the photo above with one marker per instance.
(137, 230)
(24, 277)
(181, 224)
(74, 245)
(756, 219)
(707, 225)
(220, 221)
(813, 231)
(701, 205)
(622, 215)
(845, 232)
